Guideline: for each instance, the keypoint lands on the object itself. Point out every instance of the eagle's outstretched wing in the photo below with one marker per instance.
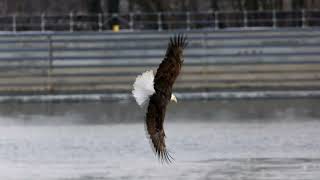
(170, 67)
(154, 127)
(166, 75)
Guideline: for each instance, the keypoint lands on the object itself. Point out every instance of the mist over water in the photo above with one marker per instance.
(83, 113)
(239, 139)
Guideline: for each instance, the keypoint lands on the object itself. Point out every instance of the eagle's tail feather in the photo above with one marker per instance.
(143, 87)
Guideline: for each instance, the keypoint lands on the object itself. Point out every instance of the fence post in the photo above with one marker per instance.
(43, 23)
(245, 19)
(274, 19)
(303, 20)
(188, 20)
(100, 22)
(131, 21)
(71, 22)
(14, 23)
(216, 20)
(159, 22)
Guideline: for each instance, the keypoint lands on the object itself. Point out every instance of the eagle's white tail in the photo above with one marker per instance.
(143, 87)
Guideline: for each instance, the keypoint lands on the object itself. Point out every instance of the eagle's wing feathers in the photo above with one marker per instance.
(170, 67)
(154, 127)
(158, 89)
(166, 75)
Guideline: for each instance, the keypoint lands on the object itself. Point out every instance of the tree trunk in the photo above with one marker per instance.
(287, 5)
(214, 5)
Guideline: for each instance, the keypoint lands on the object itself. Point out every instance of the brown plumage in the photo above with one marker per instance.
(165, 77)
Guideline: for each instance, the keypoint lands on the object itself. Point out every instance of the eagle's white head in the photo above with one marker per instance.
(173, 98)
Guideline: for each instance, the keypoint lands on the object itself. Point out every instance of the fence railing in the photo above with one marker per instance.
(160, 20)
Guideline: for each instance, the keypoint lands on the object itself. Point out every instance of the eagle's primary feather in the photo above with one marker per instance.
(164, 79)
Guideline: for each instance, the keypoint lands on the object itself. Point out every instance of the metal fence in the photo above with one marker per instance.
(160, 20)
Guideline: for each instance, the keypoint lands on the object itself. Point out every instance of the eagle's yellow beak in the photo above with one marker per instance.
(173, 98)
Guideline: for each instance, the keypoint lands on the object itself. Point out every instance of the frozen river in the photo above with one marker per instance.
(256, 140)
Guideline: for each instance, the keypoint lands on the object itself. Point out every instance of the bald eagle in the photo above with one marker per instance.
(157, 91)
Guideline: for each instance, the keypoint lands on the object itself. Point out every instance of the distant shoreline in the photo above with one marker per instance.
(215, 95)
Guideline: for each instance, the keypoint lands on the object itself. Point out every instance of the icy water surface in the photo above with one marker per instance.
(226, 140)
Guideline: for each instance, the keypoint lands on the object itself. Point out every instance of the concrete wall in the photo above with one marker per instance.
(86, 62)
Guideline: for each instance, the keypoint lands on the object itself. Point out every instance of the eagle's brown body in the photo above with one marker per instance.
(165, 77)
